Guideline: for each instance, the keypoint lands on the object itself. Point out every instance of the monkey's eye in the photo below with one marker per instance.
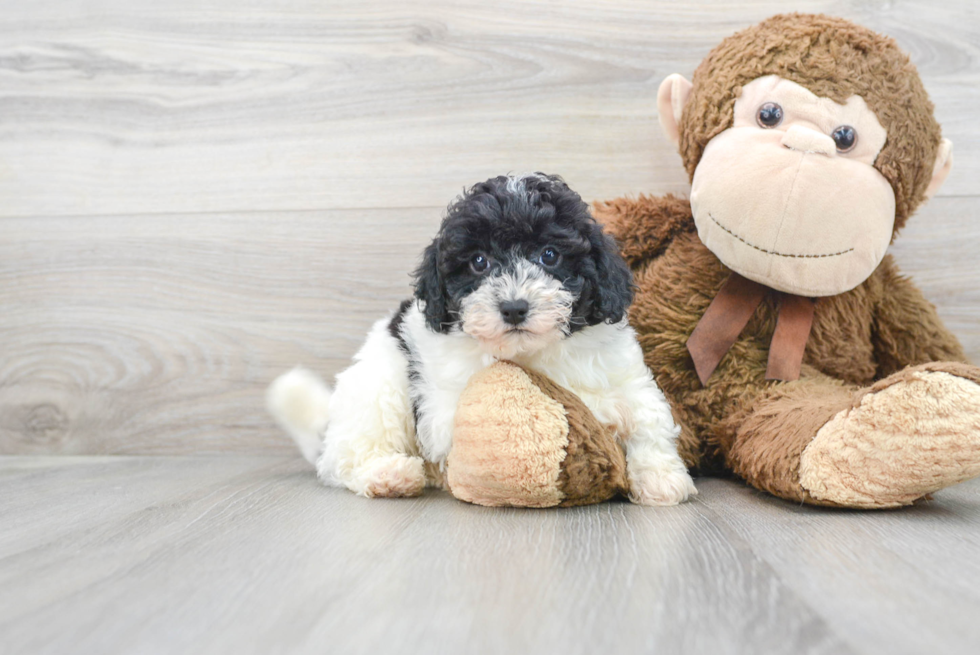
(845, 137)
(549, 257)
(480, 264)
(770, 115)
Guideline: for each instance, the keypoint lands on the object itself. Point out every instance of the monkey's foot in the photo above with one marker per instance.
(913, 433)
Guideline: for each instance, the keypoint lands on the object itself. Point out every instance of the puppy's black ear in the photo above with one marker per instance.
(430, 289)
(612, 291)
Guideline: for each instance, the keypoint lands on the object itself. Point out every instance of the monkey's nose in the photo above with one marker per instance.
(514, 311)
(804, 139)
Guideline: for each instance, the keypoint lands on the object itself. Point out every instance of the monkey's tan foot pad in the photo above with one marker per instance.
(913, 433)
(521, 440)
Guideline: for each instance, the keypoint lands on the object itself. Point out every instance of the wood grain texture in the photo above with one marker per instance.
(130, 335)
(159, 336)
(921, 563)
(198, 196)
(252, 555)
(140, 106)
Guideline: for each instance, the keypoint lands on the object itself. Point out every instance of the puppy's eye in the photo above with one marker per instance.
(549, 257)
(770, 115)
(845, 137)
(480, 264)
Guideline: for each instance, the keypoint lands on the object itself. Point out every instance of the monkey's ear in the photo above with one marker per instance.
(673, 95)
(944, 163)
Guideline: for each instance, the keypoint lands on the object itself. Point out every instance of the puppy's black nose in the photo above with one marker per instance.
(514, 311)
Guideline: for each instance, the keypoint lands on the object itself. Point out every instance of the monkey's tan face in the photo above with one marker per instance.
(788, 196)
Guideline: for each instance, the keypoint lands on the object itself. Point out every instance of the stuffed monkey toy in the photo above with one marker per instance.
(793, 351)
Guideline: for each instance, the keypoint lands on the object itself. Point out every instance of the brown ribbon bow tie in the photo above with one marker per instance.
(727, 316)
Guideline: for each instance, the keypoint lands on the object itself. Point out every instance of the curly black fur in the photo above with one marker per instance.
(506, 217)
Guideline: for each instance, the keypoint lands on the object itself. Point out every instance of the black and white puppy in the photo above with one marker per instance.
(520, 271)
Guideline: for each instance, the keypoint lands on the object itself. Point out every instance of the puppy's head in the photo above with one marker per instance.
(519, 263)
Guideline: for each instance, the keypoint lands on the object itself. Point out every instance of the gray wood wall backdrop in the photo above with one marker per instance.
(196, 195)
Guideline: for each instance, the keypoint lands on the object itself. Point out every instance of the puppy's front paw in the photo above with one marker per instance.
(661, 486)
(392, 477)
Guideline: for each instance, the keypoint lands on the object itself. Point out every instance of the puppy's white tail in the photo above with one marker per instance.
(300, 403)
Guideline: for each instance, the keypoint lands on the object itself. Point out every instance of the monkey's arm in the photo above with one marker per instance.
(644, 226)
(907, 330)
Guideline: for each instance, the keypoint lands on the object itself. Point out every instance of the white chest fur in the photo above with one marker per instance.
(602, 364)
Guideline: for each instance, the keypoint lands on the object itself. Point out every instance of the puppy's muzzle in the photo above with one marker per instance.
(514, 312)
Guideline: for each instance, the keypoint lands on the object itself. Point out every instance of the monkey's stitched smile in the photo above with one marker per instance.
(773, 252)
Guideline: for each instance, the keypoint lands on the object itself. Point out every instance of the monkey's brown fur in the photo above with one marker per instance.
(741, 422)
(834, 59)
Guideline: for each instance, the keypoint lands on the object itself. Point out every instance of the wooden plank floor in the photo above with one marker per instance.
(252, 555)
(198, 195)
